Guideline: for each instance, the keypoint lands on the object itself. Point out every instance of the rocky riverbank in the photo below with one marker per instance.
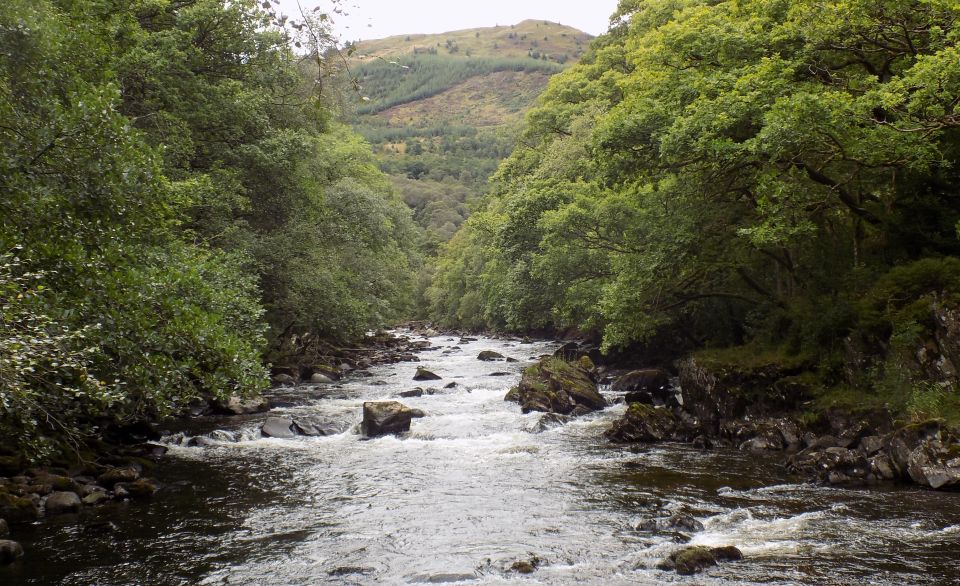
(763, 409)
(122, 465)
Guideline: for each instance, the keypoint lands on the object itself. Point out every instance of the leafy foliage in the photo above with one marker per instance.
(175, 201)
(721, 173)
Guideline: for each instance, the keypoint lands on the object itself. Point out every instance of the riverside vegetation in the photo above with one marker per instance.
(178, 208)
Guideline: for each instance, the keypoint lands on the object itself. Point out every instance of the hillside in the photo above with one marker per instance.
(441, 110)
(557, 42)
(491, 99)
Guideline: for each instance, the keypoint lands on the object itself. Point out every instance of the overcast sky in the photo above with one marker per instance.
(374, 19)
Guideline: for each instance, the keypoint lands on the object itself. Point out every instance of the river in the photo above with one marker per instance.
(470, 491)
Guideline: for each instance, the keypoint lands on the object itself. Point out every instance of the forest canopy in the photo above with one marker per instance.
(726, 173)
(177, 202)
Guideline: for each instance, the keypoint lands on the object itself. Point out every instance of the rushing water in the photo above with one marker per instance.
(469, 492)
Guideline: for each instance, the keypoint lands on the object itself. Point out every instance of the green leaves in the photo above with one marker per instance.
(171, 192)
(724, 162)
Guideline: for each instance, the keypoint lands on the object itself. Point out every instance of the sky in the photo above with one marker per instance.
(375, 19)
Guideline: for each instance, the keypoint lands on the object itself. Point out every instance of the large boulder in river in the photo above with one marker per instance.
(320, 378)
(490, 356)
(424, 374)
(557, 386)
(235, 405)
(278, 427)
(385, 417)
(643, 423)
(62, 502)
(695, 559)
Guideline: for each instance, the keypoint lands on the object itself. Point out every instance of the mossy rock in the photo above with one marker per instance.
(555, 385)
(138, 489)
(694, 560)
(17, 509)
(643, 423)
(586, 364)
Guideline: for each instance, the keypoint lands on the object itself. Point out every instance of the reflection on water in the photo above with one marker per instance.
(469, 492)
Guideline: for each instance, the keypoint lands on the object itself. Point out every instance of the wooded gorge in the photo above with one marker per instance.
(484, 306)
(767, 181)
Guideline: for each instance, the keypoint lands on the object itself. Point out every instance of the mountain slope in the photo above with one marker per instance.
(558, 42)
(441, 110)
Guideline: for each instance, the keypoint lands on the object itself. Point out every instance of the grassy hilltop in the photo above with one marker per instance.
(441, 110)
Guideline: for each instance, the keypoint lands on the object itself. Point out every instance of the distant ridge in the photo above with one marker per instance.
(559, 43)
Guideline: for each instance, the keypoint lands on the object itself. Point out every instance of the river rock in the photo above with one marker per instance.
(96, 497)
(4, 528)
(139, 489)
(62, 502)
(385, 417)
(685, 522)
(222, 435)
(412, 393)
(10, 551)
(681, 521)
(17, 509)
(727, 553)
(528, 566)
(236, 405)
(115, 475)
(283, 379)
(320, 378)
(934, 465)
(202, 441)
(548, 421)
(569, 351)
(490, 356)
(643, 423)
(278, 427)
(831, 466)
(695, 559)
(689, 560)
(764, 443)
(424, 374)
(715, 388)
(924, 453)
(650, 386)
(557, 386)
(871, 444)
(315, 427)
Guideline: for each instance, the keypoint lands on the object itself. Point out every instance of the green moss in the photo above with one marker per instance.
(694, 559)
(17, 509)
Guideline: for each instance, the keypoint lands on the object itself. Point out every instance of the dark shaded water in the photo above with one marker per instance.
(469, 492)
